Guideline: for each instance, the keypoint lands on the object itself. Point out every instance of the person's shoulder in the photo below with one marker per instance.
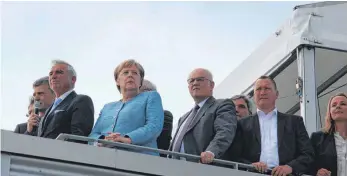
(22, 124)
(111, 104)
(292, 116)
(247, 119)
(83, 98)
(151, 94)
(223, 101)
(318, 134)
(168, 115)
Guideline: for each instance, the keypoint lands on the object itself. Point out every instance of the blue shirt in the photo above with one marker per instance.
(140, 118)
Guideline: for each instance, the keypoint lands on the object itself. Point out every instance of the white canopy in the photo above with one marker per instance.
(322, 24)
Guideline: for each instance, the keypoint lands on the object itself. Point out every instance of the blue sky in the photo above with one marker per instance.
(169, 39)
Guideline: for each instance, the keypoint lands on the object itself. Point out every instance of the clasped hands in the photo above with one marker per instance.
(116, 137)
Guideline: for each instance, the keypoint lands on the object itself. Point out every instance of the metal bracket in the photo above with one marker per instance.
(277, 33)
(315, 14)
(298, 86)
(312, 40)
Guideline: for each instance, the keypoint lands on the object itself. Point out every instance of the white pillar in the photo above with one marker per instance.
(308, 101)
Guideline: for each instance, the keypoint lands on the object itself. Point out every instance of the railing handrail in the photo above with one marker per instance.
(236, 165)
(64, 137)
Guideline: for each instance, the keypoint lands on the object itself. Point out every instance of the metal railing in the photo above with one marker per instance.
(218, 162)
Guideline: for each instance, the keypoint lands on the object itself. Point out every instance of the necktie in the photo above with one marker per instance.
(44, 123)
(177, 145)
(56, 103)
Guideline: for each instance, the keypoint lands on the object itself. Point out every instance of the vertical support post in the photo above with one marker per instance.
(308, 100)
(5, 164)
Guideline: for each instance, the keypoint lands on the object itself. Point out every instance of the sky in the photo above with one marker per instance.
(169, 39)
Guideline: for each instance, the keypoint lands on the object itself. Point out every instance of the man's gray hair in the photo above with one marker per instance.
(42, 81)
(147, 86)
(70, 68)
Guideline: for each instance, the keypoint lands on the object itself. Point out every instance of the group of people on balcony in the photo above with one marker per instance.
(273, 142)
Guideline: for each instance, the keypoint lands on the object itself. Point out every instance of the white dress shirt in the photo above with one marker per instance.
(341, 151)
(269, 143)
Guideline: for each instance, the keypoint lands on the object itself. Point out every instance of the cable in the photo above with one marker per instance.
(287, 96)
(320, 117)
(332, 90)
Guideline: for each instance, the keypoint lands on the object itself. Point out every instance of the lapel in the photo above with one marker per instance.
(48, 118)
(256, 130)
(182, 119)
(332, 145)
(42, 121)
(210, 101)
(281, 119)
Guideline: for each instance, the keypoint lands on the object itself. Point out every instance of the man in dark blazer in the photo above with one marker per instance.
(209, 128)
(164, 138)
(22, 127)
(70, 113)
(42, 94)
(270, 139)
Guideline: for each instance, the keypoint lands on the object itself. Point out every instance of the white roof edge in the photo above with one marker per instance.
(311, 24)
(319, 4)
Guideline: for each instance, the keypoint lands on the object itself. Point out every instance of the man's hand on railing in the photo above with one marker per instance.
(260, 167)
(323, 172)
(110, 141)
(206, 157)
(282, 170)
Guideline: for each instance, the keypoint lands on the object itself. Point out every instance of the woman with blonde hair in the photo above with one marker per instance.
(330, 144)
(135, 119)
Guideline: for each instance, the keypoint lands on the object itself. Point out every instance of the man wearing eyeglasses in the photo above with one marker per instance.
(208, 129)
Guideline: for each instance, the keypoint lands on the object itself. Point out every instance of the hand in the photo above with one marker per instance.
(112, 136)
(282, 170)
(260, 167)
(33, 120)
(123, 140)
(323, 172)
(206, 157)
(99, 144)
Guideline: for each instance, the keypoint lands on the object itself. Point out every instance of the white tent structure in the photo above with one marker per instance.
(312, 47)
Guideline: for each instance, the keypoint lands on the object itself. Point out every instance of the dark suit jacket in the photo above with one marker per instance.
(325, 153)
(74, 115)
(213, 128)
(21, 128)
(164, 138)
(294, 147)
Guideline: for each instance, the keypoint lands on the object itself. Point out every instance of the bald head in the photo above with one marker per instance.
(201, 71)
(200, 84)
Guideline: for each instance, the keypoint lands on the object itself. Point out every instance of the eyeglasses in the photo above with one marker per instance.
(199, 80)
